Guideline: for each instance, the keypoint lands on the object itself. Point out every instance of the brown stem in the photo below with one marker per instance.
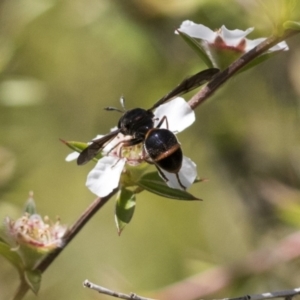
(22, 290)
(102, 290)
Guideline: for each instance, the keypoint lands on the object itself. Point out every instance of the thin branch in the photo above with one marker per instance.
(223, 76)
(22, 290)
(103, 290)
(287, 294)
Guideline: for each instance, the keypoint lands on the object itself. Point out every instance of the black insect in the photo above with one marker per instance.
(160, 146)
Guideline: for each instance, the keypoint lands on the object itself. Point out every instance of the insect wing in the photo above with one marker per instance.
(93, 149)
(187, 85)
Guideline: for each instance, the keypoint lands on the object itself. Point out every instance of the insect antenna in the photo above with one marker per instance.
(112, 108)
(122, 101)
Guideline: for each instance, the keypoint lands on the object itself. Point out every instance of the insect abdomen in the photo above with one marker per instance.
(163, 149)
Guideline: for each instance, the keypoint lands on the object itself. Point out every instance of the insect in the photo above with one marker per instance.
(160, 146)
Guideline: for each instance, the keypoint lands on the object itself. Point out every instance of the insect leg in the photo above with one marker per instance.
(164, 118)
(147, 159)
(166, 179)
(126, 143)
(179, 181)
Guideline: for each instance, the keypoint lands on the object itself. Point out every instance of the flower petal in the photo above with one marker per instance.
(280, 46)
(198, 31)
(72, 156)
(178, 112)
(187, 175)
(105, 177)
(250, 44)
(234, 37)
(253, 43)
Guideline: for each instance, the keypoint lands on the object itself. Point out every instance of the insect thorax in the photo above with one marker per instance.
(136, 122)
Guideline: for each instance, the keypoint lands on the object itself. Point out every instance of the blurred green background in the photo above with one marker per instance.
(61, 62)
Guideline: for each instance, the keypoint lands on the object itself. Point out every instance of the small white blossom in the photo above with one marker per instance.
(35, 232)
(105, 176)
(223, 45)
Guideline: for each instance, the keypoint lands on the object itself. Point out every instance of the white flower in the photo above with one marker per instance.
(223, 46)
(105, 176)
(35, 232)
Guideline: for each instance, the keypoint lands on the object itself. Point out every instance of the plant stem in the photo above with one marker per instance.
(22, 289)
(105, 291)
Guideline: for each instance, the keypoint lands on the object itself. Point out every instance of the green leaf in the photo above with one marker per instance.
(30, 207)
(196, 46)
(11, 256)
(154, 184)
(76, 146)
(291, 25)
(125, 206)
(197, 180)
(33, 279)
